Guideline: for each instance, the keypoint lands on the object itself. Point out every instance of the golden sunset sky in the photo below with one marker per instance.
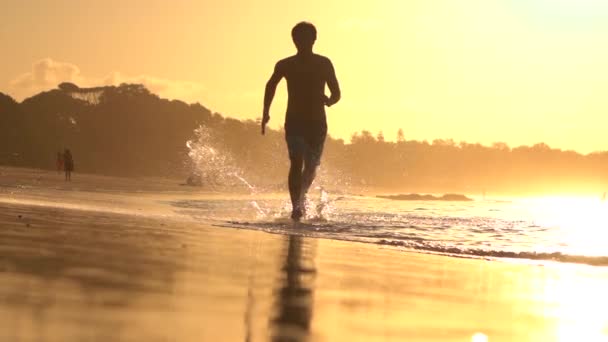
(514, 71)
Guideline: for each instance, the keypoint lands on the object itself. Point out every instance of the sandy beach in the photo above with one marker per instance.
(84, 262)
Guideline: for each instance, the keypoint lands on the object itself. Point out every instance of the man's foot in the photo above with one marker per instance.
(296, 214)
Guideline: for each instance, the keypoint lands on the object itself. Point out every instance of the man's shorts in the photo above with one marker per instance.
(309, 147)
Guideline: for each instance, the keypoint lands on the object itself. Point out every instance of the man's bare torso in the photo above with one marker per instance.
(306, 79)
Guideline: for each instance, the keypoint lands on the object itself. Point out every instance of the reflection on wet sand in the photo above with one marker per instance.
(294, 296)
(53, 269)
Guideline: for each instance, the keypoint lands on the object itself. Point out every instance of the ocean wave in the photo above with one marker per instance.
(475, 252)
(407, 241)
(480, 229)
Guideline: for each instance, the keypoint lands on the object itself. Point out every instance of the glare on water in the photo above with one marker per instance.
(580, 223)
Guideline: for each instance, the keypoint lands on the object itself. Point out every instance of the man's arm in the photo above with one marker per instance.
(271, 88)
(334, 87)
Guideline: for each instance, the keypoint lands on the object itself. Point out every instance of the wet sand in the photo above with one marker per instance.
(70, 273)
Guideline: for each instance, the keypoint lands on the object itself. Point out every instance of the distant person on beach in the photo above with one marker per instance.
(68, 164)
(305, 124)
(59, 162)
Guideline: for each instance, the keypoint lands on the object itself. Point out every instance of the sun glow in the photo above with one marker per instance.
(572, 295)
(580, 223)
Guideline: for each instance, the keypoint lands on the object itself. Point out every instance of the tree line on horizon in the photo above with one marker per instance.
(128, 131)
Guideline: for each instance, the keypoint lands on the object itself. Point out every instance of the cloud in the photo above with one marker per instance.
(47, 74)
(172, 89)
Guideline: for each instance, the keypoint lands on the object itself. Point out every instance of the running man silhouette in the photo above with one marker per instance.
(305, 125)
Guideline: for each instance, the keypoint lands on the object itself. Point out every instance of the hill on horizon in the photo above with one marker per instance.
(126, 130)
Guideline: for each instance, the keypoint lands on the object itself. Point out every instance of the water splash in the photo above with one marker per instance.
(321, 208)
(260, 212)
(214, 166)
(325, 207)
(211, 163)
(244, 181)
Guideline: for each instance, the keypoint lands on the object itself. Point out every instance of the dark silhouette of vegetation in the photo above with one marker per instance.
(126, 130)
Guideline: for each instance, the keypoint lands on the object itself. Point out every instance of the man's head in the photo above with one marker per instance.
(304, 35)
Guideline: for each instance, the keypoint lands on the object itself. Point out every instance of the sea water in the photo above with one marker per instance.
(562, 229)
(558, 229)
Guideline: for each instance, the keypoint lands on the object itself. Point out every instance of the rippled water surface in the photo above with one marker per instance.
(552, 228)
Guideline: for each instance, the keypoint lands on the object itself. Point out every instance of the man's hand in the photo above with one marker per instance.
(265, 119)
(328, 101)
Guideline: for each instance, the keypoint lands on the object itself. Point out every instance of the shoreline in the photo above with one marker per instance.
(535, 259)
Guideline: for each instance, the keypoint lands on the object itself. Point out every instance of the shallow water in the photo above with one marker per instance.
(562, 229)
(559, 229)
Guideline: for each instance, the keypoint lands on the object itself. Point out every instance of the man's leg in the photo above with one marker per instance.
(312, 160)
(295, 185)
(308, 176)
